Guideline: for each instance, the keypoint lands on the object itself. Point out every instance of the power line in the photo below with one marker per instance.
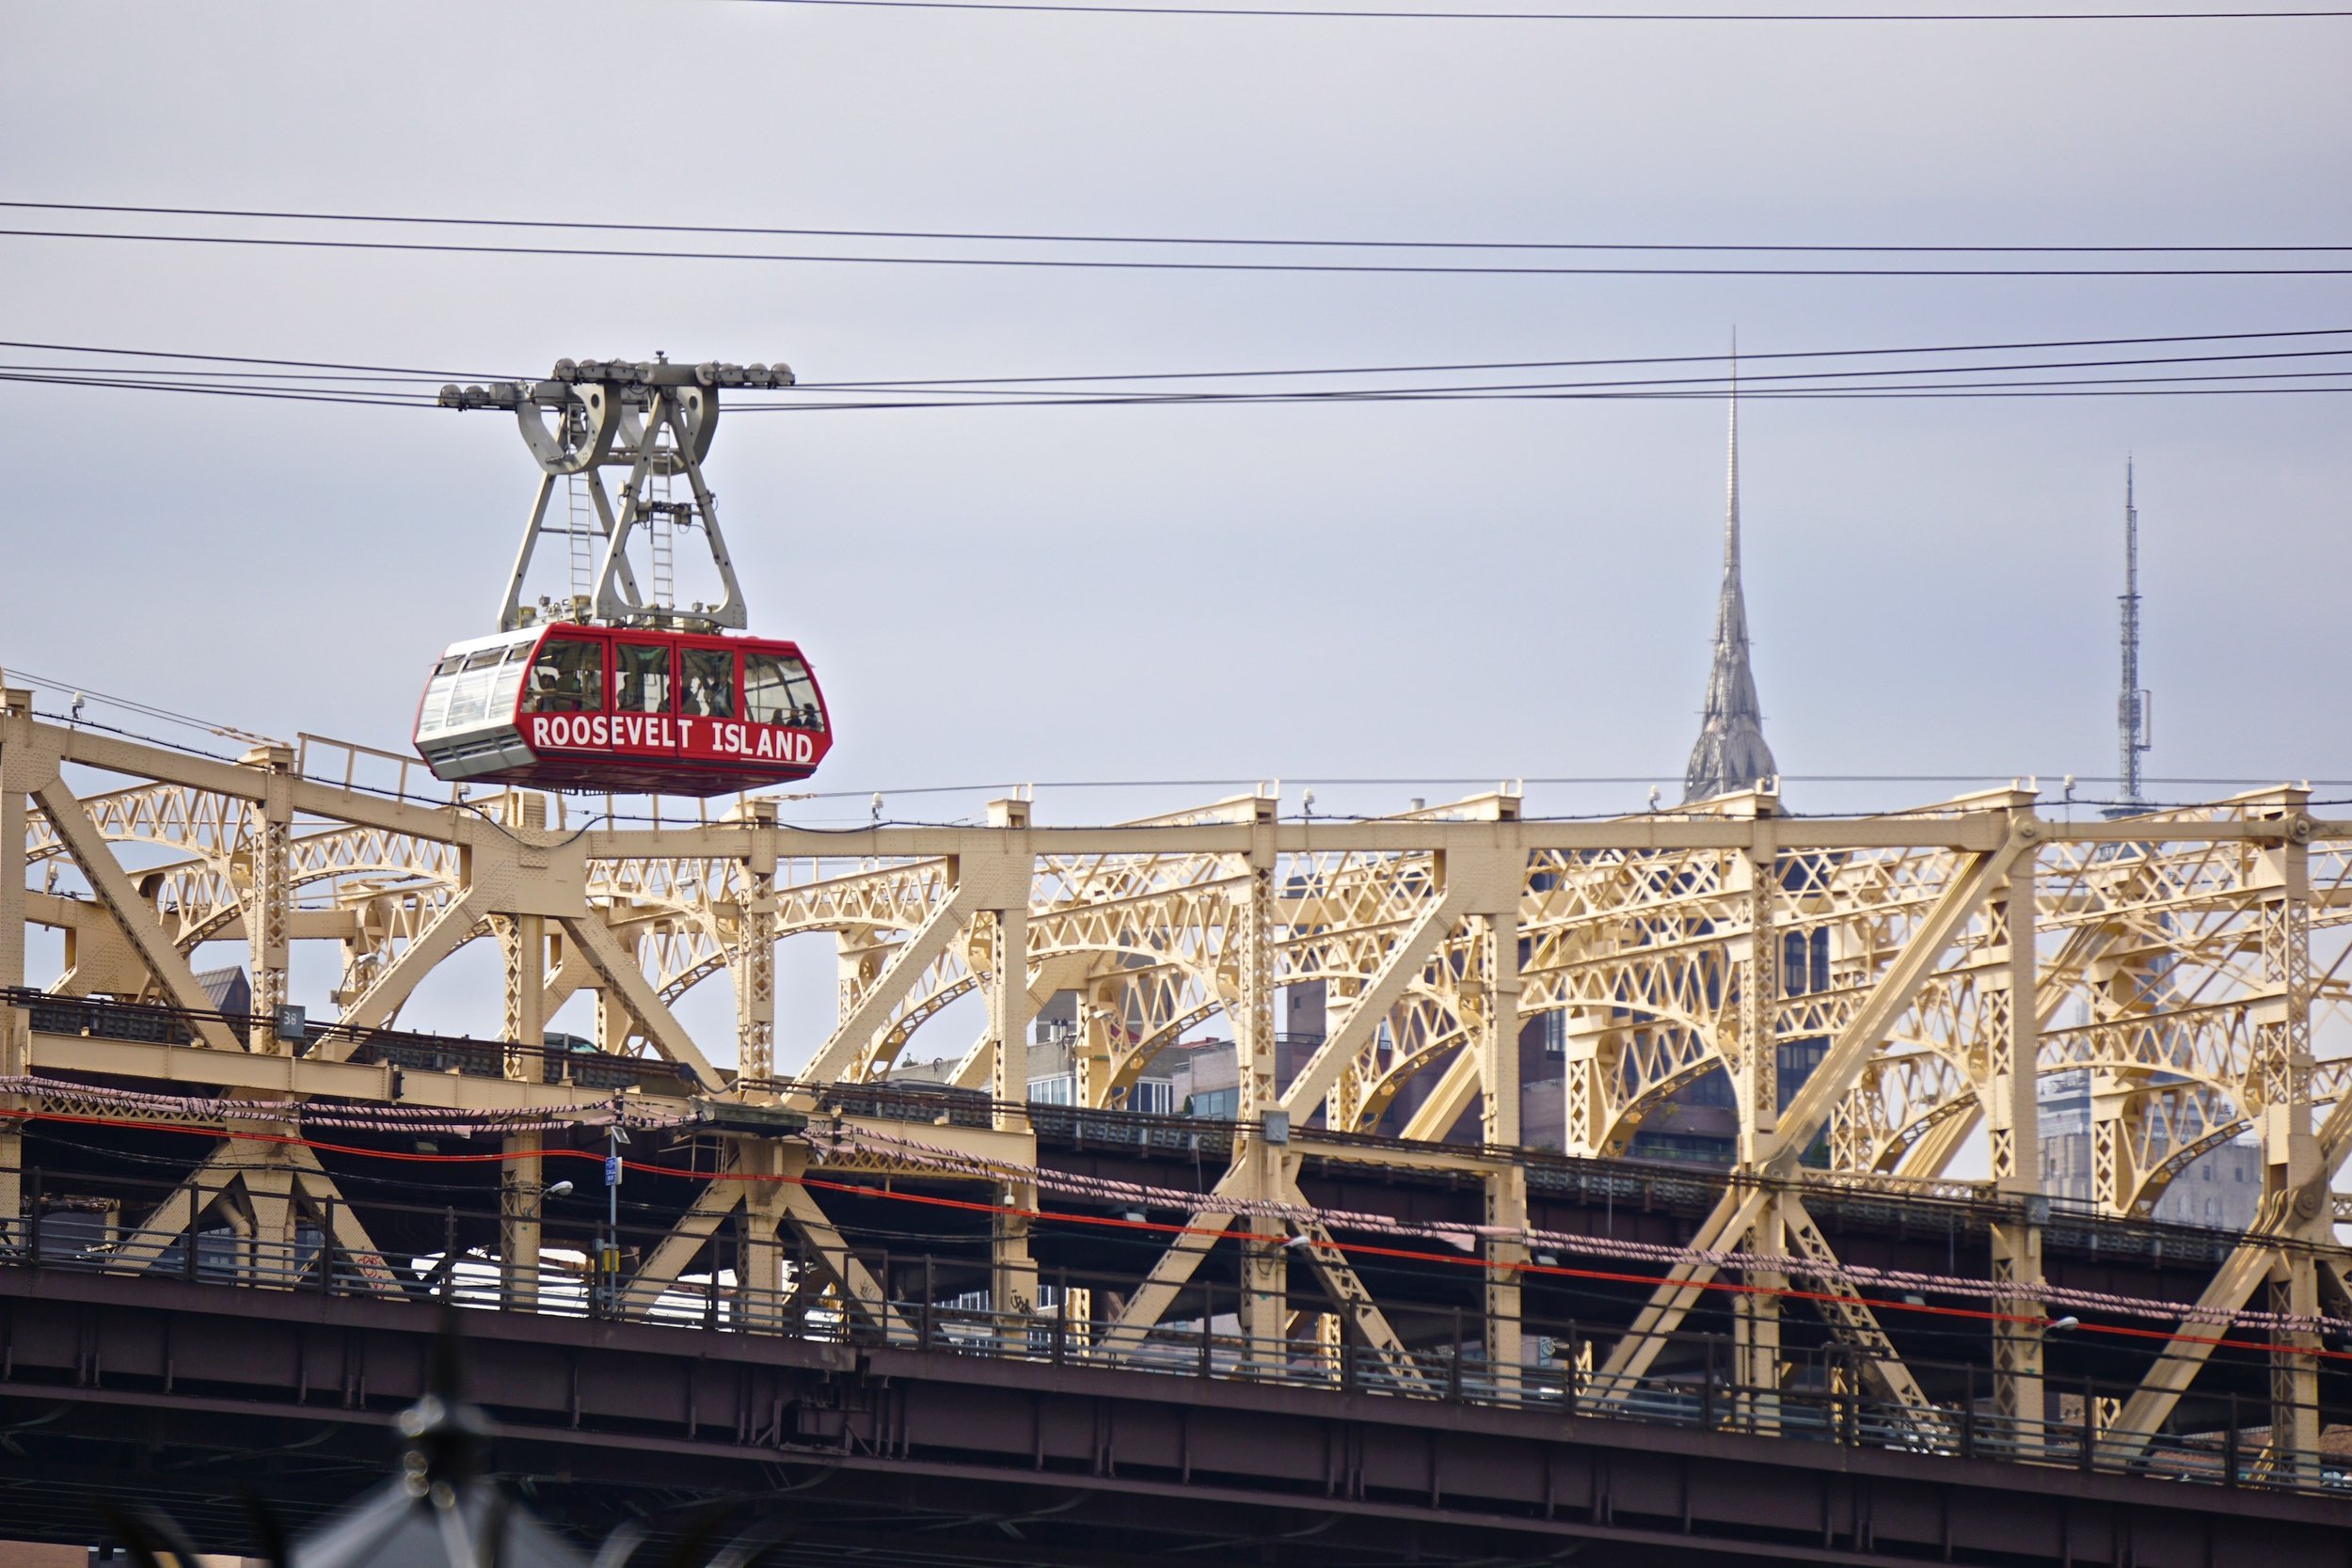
(381, 386)
(1713, 386)
(2116, 386)
(274, 215)
(1104, 264)
(1596, 364)
(1572, 16)
(1752, 357)
(295, 364)
(982, 388)
(1696, 396)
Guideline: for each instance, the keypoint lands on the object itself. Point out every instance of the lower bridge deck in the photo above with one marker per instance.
(984, 1445)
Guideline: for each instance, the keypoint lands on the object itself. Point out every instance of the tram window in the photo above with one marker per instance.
(710, 691)
(510, 677)
(778, 692)
(643, 684)
(567, 677)
(470, 699)
(436, 710)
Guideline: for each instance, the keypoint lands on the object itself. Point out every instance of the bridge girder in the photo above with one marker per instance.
(1674, 945)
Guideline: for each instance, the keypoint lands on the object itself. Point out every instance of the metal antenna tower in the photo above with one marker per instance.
(2132, 707)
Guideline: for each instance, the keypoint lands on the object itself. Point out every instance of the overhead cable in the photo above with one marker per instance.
(1087, 264)
(1571, 16)
(607, 226)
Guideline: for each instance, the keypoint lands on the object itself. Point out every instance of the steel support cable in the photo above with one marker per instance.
(1107, 265)
(146, 711)
(2116, 386)
(292, 364)
(1719, 381)
(1452, 1259)
(1750, 357)
(1049, 5)
(355, 399)
(227, 377)
(1713, 384)
(422, 220)
(1710, 388)
(2163, 386)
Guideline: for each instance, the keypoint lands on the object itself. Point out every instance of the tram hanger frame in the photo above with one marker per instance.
(613, 414)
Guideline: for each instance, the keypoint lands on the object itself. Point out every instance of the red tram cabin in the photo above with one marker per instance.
(623, 710)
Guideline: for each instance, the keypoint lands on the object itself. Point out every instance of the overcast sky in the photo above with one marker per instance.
(1380, 591)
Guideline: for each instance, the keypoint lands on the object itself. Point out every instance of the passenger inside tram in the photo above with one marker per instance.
(642, 678)
(711, 683)
(777, 690)
(567, 677)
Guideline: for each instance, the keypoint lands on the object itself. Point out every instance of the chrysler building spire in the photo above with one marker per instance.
(1731, 753)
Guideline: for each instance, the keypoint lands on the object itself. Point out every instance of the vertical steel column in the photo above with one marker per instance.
(1498, 1041)
(1264, 1308)
(523, 948)
(16, 781)
(2010, 1024)
(760, 1285)
(1099, 1003)
(754, 955)
(2279, 1080)
(1584, 1082)
(1754, 958)
(269, 895)
(2115, 1113)
(2293, 1289)
(1012, 1273)
(521, 1196)
(614, 1021)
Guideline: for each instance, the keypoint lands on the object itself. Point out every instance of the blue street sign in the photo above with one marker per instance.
(611, 1170)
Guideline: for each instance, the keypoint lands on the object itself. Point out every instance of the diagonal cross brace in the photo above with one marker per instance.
(854, 1034)
(131, 915)
(1386, 988)
(594, 941)
(2240, 1274)
(1809, 1109)
(374, 1008)
(1339, 1282)
(1857, 1327)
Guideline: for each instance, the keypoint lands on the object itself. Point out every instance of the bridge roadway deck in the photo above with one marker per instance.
(194, 1394)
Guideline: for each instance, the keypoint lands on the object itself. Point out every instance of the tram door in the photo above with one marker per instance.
(644, 699)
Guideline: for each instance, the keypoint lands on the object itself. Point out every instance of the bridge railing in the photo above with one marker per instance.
(1824, 1393)
(162, 1023)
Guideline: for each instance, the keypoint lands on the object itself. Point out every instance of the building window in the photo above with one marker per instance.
(1215, 1104)
(1796, 1060)
(1804, 962)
